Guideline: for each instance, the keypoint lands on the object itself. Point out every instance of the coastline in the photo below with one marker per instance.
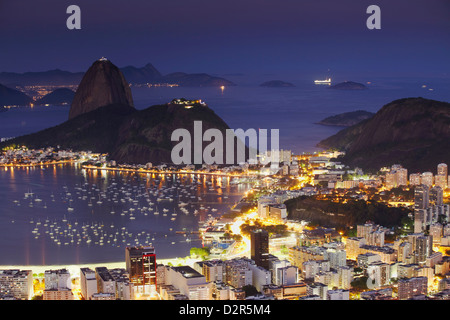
(89, 167)
(52, 163)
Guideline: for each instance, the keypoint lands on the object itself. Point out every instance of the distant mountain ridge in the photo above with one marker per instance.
(414, 132)
(102, 119)
(146, 74)
(196, 80)
(134, 75)
(50, 77)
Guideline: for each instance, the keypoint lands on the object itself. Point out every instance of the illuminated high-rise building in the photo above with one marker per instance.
(436, 231)
(415, 179)
(397, 177)
(436, 196)
(421, 197)
(105, 281)
(419, 220)
(442, 169)
(16, 284)
(88, 283)
(440, 181)
(379, 273)
(423, 248)
(141, 267)
(391, 180)
(408, 288)
(260, 248)
(427, 179)
(57, 279)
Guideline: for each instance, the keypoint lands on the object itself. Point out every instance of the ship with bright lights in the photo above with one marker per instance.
(326, 81)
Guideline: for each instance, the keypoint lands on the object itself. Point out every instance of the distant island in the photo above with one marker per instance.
(147, 74)
(346, 119)
(412, 131)
(276, 84)
(61, 96)
(348, 85)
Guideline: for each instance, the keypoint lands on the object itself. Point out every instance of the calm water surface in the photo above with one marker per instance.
(65, 215)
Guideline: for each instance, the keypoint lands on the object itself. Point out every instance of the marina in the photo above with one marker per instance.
(91, 215)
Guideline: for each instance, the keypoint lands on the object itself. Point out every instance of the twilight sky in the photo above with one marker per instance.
(230, 36)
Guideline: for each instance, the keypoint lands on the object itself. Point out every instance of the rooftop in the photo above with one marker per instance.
(187, 272)
(104, 274)
(14, 272)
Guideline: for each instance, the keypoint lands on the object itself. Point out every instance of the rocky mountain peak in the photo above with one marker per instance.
(103, 84)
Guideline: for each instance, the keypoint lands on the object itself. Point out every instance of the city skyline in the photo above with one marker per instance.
(156, 181)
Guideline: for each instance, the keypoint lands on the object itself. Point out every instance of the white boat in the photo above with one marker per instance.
(29, 194)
